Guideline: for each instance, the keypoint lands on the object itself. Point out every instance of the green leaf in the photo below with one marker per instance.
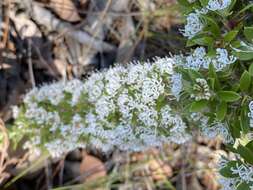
(235, 128)
(212, 83)
(245, 153)
(204, 3)
(211, 25)
(249, 6)
(251, 69)
(204, 41)
(230, 35)
(235, 87)
(243, 186)
(184, 3)
(194, 74)
(232, 4)
(245, 81)
(230, 148)
(250, 145)
(243, 51)
(190, 43)
(221, 110)
(226, 171)
(248, 33)
(213, 75)
(198, 105)
(228, 96)
(161, 101)
(244, 119)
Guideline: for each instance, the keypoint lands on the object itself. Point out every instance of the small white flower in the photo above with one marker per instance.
(250, 114)
(215, 129)
(37, 114)
(151, 89)
(75, 87)
(148, 115)
(53, 93)
(114, 79)
(193, 26)
(227, 183)
(222, 162)
(222, 59)
(177, 85)
(244, 172)
(137, 73)
(104, 106)
(125, 103)
(179, 137)
(94, 86)
(166, 116)
(198, 59)
(164, 65)
(215, 5)
(251, 106)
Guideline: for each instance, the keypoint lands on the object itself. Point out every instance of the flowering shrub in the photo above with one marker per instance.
(166, 100)
(128, 107)
(223, 33)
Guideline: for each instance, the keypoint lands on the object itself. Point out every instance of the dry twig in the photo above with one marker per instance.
(3, 151)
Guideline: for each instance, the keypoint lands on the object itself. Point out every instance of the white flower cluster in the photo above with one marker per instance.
(250, 114)
(176, 86)
(124, 107)
(215, 5)
(201, 90)
(222, 59)
(199, 59)
(194, 25)
(227, 183)
(245, 172)
(217, 129)
(241, 173)
(213, 129)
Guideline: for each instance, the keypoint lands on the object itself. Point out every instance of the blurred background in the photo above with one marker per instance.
(49, 40)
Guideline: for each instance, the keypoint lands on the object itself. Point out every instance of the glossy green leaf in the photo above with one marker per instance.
(204, 2)
(198, 105)
(235, 128)
(213, 76)
(221, 110)
(251, 69)
(245, 81)
(204, 41)
(244, 119)
(231, 148)
(243, 186)
(226, 171)
(248, 33)
(232, 4)
(230, 36)
(184, 3)
(245, 153)
(211, 25)
(228, 96)
(250, 145)
(194, 74)
(244, 51)
(161, 101)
